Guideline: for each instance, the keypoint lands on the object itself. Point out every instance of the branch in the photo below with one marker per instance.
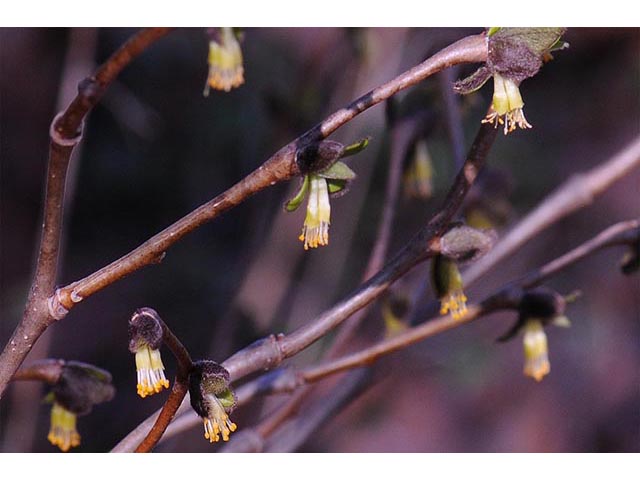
(65, 133)
(178, 391)
(269, 352)
(620, 233)
(577, 192)
(279, 167)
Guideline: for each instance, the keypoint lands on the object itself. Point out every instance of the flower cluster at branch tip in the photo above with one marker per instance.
(225, 61)
(447, 282)
(514, 54)
(145, 339)
(418, 176)
(536, 352)
(322, 176)
(63, 433)
(212, 399)
(79, 387)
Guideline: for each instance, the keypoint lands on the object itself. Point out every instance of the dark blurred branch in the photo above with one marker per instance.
(577, 192)
(65, 133)
(279, 167)
(452, 114)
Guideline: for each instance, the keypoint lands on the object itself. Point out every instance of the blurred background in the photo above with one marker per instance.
(155, 148)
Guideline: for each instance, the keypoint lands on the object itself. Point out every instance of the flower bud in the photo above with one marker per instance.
(465, 244)
(212, 399)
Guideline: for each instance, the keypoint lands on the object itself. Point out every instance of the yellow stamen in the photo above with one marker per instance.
(506, 106)
(218, 422)
(150, 372)
(454, 302)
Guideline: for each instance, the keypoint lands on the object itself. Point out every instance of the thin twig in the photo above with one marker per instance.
(620, 233)
(178, 391)
(65, 133)
(577, 192)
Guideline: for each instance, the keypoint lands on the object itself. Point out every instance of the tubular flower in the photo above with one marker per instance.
(536, 353)
(506, 106)
(145, 339)
(316, 223)
(513, 55)
(447, 282)
(225, 61)
(418, 176)
(212, 399)
(63, 433)
(150, 371)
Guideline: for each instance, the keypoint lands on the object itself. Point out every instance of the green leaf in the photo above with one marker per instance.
(336, 185)
(295, 202)
(338, 171)
(492, 31)
(538, 40)
(356, 147)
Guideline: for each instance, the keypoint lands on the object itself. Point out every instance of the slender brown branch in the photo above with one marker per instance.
(577, 192)
(65, 133)
(178, 391)
(280, 167)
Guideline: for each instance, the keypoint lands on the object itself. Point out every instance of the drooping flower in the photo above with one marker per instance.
(225, 60)
(506, 106)
(323, 176)
(63, 433)
(79, 387)
(447, 283)
(536, 309)
(418, 175)
(536, 352)
(145, 339)
(212, 399)
(315, 230)
(514, 54)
